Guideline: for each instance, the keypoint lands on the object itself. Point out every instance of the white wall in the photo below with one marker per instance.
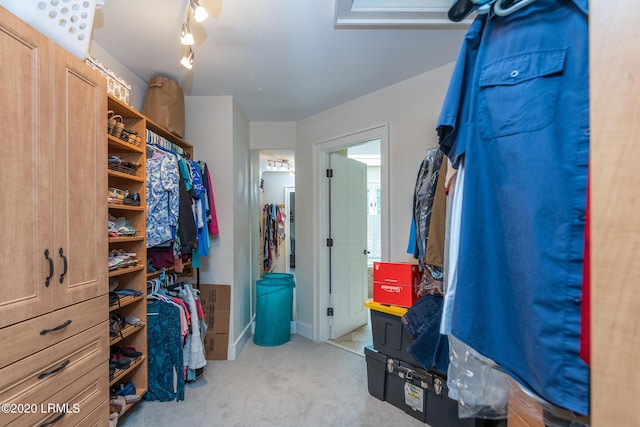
(411, 109)
(219, 135)
(274, 183)
(138, 86)
(242, 244)
(273, 135)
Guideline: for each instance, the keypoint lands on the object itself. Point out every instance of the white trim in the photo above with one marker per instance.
(320, 157)
(288, 189)
(428, 16)
(236, 347)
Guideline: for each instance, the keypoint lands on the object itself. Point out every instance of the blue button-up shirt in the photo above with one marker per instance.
(517, 109)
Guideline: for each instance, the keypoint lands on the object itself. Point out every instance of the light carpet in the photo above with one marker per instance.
(299, 383)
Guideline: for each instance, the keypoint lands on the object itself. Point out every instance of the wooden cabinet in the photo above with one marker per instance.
(49, 181)
(128, 177)
(53, 277)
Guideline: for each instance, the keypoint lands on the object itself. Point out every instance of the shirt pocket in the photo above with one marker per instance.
(519, 93)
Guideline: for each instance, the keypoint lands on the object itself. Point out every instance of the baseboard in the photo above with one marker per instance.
(304, 330)
(236, 347)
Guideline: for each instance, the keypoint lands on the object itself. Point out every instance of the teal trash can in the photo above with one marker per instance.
(283, 276)
(273, 312)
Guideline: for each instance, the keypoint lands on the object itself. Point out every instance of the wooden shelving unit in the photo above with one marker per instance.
(132, 277)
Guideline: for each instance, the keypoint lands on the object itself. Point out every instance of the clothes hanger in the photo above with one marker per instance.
(507, 7)
(462, 8)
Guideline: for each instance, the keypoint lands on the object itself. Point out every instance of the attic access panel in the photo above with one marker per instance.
(395, 13)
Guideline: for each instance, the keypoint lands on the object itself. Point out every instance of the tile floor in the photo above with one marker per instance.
(355, 340)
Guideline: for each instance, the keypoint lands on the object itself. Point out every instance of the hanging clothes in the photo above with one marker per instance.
(165, 352)
(212, 217)
(517, 112)
(199, 197)
(434, 252)
(187, 231)
(423, 199)
(193, 353)
(163, 197)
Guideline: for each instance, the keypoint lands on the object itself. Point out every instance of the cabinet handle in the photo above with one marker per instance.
(57, 328)
(55, 420)
(53, 371)
(46, 256)
(66, 264)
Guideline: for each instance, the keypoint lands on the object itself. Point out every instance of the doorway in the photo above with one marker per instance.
(369, 146)
(290, 225)
(276, 190)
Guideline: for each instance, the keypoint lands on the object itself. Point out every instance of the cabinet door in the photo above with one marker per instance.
(26, 173)
(80, 179)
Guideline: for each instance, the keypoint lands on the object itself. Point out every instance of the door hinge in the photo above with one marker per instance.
(329, 173)
(329, 243)
(330, 311)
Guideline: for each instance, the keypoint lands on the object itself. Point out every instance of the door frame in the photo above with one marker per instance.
(288, 189)
(321, 152)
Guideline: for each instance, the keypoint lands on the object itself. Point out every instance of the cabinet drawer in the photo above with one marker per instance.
(27, 337)
(79, 399)
(97, 418)
(27, 381)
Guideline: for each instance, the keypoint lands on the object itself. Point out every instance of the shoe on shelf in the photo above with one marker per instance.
(124, 389)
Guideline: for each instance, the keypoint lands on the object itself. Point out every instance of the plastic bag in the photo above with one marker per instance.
(481, 388)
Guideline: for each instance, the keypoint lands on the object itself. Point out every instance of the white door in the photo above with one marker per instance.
(349, 252)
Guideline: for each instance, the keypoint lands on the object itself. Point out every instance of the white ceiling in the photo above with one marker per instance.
(281, 60)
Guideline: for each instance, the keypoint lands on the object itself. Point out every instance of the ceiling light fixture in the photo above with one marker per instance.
(199, 12)
(187, 59)
(186, 38)
(280, 166)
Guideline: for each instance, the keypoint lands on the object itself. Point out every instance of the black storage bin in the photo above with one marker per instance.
(421, 394)
(376, 372)
(389, 334)
(407, 388)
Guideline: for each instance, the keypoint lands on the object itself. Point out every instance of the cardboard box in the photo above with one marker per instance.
(216, 303)
(389, 335)
(215, 346)
(395, 283)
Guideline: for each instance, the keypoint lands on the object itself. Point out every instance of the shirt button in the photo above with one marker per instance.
(515, 73)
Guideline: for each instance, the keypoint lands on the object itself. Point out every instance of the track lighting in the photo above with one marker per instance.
(186, 38)
(199, 12)
(187, 59)
(280, 166)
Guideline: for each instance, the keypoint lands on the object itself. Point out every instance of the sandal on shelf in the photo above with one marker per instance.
(132, 320)
(123, 227)
(116, 325)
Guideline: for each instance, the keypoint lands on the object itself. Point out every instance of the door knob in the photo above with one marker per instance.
(366, 252)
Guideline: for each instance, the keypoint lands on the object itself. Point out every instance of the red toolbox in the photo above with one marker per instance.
(395, 283)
